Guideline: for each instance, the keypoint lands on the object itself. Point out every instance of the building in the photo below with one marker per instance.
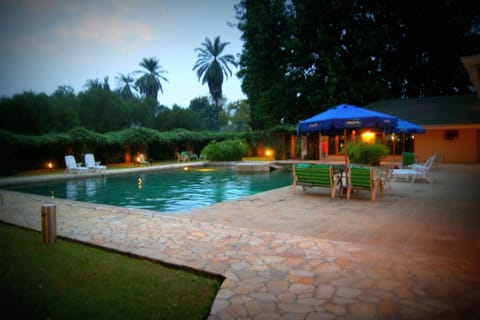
(452, 125)
(452, 122)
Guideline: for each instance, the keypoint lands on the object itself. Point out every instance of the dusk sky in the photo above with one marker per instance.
(49, 43)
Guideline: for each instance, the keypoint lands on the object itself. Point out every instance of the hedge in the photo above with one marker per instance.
(27, 152)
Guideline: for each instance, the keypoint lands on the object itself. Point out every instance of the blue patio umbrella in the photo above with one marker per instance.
(345, 117)
(404, 126)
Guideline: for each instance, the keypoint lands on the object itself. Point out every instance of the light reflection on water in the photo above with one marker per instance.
(166, 191)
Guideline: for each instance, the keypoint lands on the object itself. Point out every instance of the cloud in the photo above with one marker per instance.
(106, 29)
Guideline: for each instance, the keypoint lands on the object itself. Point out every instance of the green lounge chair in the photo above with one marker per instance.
(315, 175)
(364, 179)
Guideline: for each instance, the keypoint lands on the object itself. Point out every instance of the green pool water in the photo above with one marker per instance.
(166, 191)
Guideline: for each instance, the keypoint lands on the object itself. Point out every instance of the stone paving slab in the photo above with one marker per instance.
(275, 274)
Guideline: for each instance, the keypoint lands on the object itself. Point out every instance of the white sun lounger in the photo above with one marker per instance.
(72, 166)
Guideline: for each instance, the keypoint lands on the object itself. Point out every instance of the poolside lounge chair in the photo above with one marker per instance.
(191, 155)
(426, 165)
(411, 175)
(92, 165)
(72, 166)
(415, 172)
(181, 156)
(364, 179)
(315, 175)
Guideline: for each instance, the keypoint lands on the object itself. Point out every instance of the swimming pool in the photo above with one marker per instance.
(169, 191)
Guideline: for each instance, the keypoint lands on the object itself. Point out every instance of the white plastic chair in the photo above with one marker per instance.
(72, 166)
(426, 165)
(91, 164)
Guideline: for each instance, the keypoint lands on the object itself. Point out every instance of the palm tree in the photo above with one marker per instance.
(150, 82)
(91, 84)
(212, 66)
(124, 85)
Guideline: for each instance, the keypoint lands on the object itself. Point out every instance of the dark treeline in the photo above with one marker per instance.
(303, 56)
(101, 110)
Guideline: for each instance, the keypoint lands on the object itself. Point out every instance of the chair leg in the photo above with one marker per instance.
(349, 192)
(380, 187)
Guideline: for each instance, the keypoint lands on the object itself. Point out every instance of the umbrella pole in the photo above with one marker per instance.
(345, 146)
(393, 146)
(345, 153)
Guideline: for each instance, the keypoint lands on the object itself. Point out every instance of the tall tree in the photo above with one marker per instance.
(211, 66)
(205, 111)
(151, 80)
(264, 61)
(124, 85)
(301, 56)
(93, 84)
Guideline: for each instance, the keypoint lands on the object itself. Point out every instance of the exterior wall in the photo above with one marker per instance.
(464, 149)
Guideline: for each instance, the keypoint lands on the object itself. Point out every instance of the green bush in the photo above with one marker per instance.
(228, 150)
(369, 154)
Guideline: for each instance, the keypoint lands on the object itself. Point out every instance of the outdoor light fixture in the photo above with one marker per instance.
(269, 152)
(50, 165)
(368, 137)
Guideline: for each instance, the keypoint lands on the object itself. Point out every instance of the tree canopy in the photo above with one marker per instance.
(211, 67)
(151, 80)
(302, 56)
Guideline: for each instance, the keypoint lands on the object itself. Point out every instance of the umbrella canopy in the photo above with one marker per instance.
(346, 116)
(403, 126)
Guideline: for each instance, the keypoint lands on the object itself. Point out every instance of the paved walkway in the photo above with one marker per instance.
(412, 255)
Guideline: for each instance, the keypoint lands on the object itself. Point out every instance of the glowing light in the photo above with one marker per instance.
(185, 168)
(50, 165)
(206, 170)
(269, 152)
(368, 137)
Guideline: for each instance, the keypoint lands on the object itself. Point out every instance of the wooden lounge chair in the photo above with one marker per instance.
(386, 177)
(364, 179)
(315, 175)
(182, 157)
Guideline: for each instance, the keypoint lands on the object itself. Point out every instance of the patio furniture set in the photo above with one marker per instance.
(91, 166)
(334, 177)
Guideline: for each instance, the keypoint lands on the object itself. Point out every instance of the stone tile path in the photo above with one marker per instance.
(279, 273)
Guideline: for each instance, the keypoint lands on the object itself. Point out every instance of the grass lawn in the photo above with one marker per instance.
(68, 280)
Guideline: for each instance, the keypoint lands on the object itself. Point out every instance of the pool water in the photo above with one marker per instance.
(165, 191)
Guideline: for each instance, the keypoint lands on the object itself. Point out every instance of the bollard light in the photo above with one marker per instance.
(49, 223)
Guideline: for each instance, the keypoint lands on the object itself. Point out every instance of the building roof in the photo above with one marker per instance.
(442, 110)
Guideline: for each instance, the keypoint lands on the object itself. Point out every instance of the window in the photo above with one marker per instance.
(451, 134)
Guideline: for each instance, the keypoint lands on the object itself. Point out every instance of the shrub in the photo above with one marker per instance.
(369, 154)
(228, 150)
